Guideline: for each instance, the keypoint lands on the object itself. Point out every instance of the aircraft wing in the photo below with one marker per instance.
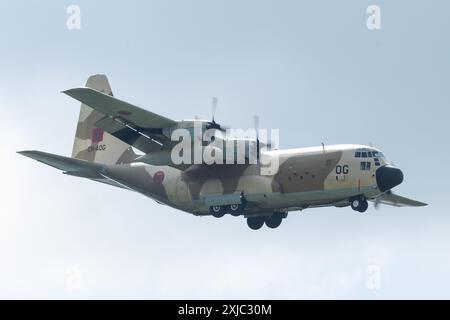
(133, 125)
(71, 166)
(398, 201)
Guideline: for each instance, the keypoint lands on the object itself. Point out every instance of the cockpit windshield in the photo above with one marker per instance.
(368, 153)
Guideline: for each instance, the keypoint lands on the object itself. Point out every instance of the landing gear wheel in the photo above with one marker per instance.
(255, 223)
(356, 203)
(218, 211)
(236, 209)
(274, 220)
(359, 204)
(364, 207)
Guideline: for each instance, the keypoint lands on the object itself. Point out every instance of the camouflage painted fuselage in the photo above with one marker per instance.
(306, 177)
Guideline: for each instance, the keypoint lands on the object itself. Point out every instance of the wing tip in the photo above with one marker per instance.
(423, 204)
(26, 153)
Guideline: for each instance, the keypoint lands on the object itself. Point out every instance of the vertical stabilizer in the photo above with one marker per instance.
(92, 143)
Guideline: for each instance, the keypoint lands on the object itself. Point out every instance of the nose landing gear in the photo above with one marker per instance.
(359, 204)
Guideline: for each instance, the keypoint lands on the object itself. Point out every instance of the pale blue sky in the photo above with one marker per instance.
(310, 68)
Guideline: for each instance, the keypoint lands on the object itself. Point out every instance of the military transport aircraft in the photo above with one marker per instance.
(125, 146)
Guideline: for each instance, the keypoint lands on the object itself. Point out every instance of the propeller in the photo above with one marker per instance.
(214, 107)
(267, 144)
(256, 124)
(377, 202)
(213, 124)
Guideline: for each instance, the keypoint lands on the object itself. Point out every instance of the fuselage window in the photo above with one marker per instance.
(358, 154)
(365, 166)
(377, 161)
(364, 154)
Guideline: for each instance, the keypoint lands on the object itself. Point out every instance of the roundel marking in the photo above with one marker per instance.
(158, 177)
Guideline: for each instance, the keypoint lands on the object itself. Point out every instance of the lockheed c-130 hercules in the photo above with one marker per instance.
(125, 146)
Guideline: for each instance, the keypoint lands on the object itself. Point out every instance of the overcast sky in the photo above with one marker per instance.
(310, 68)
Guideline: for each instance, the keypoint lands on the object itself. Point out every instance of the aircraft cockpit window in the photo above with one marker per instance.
(368, 153)
(377, 154)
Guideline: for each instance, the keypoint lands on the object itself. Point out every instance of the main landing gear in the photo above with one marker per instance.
(255, 223)
(218, 211)
(233, 209)
(359, 204)
(273, 221)
(236, 209)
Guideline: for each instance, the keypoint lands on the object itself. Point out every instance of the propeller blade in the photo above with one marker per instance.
(256, 123)
(214, 108)
(213, 124)
(377, 202)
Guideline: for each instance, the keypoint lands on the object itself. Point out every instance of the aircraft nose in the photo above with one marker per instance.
(388, 177)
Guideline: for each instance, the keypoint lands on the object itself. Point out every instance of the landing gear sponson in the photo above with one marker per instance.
(235, 209)
(255, 223)
(358, 203)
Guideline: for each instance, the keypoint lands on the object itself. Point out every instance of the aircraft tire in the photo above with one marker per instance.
(356, 203)
(274, 220)
(359, 204)
(236, 209)
(364, 206)
(218, 211)
(255, 223)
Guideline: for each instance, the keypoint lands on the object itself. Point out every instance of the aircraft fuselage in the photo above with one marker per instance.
(307, 177)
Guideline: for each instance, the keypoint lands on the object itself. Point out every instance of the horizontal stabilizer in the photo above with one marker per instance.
(71, 166)
(116, 108)
(60, 162)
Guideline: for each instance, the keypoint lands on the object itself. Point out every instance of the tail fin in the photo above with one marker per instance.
(92, 143)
